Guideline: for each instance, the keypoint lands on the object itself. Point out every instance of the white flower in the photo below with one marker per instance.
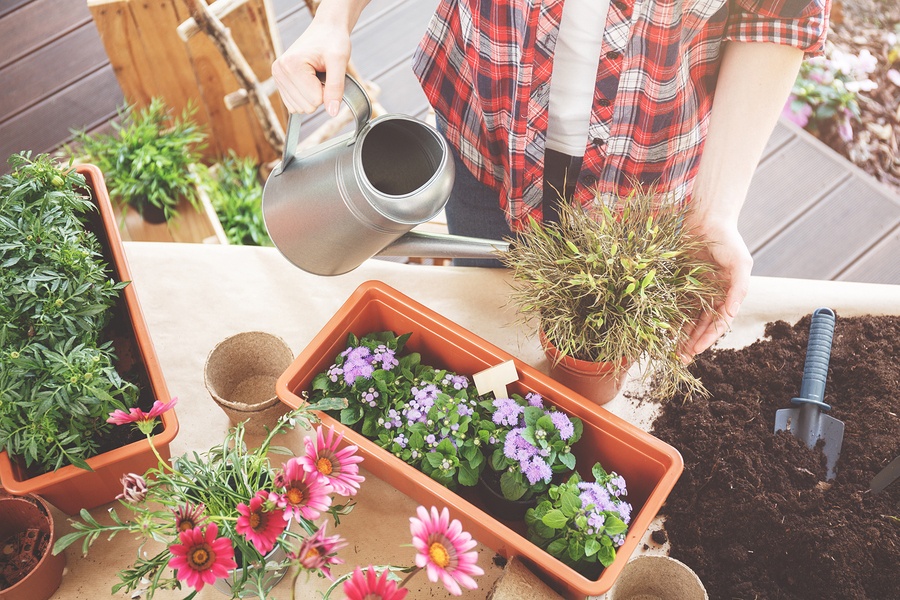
(893, 76)
(864, 85)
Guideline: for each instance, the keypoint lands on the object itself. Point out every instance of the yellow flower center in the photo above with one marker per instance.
(201, 558)
(439, 554)
(295, 496)
(185, 525)
(255, 520)
(324, 466)
(313, 553)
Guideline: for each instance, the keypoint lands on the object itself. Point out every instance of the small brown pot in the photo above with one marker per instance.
(598, 382)
(240, 374)
(28, 568)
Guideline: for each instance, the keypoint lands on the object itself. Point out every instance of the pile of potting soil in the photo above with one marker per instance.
(753, 513)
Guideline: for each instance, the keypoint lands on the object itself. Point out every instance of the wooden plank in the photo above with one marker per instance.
(880, 264)
(831, 235)
(8, 6)
(784, 187)
(43, 126)
(373, 47)
(294, 23)
(125, 49)
(50, 69)
(37, 23)
(781, 135)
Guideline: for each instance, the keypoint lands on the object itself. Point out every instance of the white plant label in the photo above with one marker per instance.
(495, 379)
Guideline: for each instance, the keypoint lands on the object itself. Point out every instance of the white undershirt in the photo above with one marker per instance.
(574, 77)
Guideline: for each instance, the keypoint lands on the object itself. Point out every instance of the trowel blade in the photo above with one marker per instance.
(823, 427)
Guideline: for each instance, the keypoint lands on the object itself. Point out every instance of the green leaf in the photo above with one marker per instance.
(591, 547)
(512, 485)
(557, 547)
(555, 519)
(467, 475)
(567, 459)
(570, 504)
(614, 525)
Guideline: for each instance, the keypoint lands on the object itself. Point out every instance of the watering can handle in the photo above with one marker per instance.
(356, 99)
(818, 355)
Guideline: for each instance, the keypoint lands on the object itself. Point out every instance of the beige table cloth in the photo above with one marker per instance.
(193, 296)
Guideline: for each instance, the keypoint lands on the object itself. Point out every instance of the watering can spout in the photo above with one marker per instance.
(441, 245)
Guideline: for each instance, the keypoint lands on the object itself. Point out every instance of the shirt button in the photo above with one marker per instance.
(604, 102)
(588, 179)
(612, 55)
(621, 5)
(598, 142)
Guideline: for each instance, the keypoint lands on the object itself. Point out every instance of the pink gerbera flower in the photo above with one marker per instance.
(260, 522)
(444, 550)
(319, 552)
(202, 557)
(188, 516)
(306, 495)
(339, 466)
(144, 420)
(369, 585)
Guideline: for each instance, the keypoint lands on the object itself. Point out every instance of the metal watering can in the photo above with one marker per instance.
(331, 207)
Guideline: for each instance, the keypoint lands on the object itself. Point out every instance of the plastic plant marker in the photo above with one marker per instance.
(886, 476)
(809, 422)
(495, 379)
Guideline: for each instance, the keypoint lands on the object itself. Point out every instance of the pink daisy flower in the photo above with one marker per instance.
(369, 586)
(260, 522)
(444, 550)
(144, 420)
(188, 516)
(202, 557)
(339, 466)
(319, 552)
(306, 495)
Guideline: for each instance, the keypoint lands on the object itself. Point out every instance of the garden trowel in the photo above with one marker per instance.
(808, 422)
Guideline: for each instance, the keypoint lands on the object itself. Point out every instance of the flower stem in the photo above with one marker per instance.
(410, 576)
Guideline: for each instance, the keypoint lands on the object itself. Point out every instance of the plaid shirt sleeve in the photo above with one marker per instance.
(798, 23)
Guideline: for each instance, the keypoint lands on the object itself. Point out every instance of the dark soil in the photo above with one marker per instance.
(752, 513)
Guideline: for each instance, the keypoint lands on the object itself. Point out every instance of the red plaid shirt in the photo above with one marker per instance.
(485, 66)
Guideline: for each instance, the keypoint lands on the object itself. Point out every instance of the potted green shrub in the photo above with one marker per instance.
(148, 159)
(235, 193)
(73, 345)
(613, 285)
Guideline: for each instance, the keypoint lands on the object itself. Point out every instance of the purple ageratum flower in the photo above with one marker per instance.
(517, 448)
(616, 486)
(386, 357)
(334, 373)
(563, 424)
(534, 399)
(431, 440)
(596, 520)
(624, 510)
(537, 470)
(401, 440)
(426, 395)
(507, 412)
(465, 411)
(458, 382)
(593, 494)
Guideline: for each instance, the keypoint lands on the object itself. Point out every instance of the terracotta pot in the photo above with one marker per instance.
(657, 577)
(240, 375)
(70, 489)
(598, 382)
(28, 568)
(650, 466)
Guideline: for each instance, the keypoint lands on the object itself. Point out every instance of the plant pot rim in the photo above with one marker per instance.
(576, 364)
(48, 571)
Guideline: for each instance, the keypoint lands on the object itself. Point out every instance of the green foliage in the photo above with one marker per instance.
(57, 379)
(582, 523)
(236, 194)
(148, 160)
(425, 416)
(613, 284)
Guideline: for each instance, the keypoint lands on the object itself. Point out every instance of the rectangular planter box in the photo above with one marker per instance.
(650, 466)
(70, 489)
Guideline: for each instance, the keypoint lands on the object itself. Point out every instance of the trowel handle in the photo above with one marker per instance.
(818, 355)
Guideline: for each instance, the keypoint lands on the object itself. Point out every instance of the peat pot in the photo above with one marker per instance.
(70, 489)
(650, 466)
(657, 578)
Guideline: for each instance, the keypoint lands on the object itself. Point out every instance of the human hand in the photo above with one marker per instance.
(323, 47)
(727, 250)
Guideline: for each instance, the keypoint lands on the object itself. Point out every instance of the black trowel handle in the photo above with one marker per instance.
(818, 355)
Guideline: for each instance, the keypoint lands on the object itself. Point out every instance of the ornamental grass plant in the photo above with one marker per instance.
(617, 284)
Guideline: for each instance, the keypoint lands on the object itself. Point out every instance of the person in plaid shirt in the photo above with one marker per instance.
(679, 94)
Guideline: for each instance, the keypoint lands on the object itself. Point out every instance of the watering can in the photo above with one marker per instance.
(331, 207)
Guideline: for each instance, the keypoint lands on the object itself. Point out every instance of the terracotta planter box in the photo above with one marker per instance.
(70, 489)
(649, 466)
